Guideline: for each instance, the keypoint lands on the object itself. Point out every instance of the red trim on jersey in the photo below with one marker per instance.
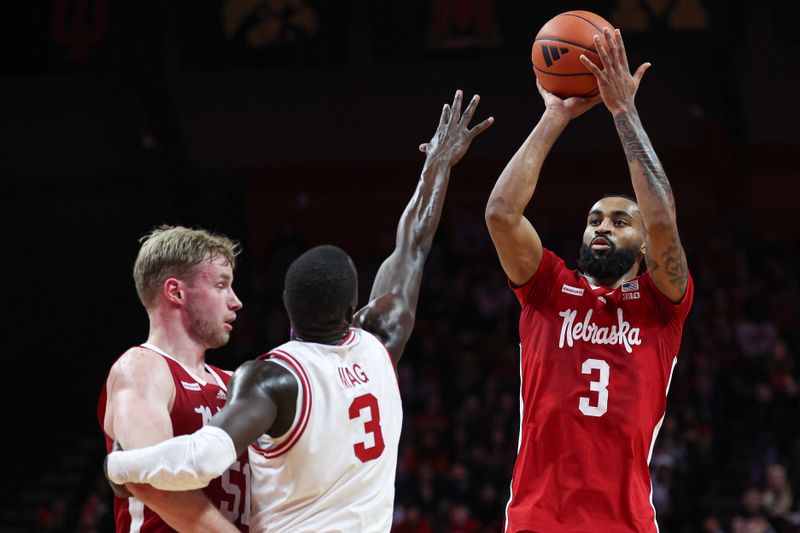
(348, 339)
(305, 413)
(102, 402)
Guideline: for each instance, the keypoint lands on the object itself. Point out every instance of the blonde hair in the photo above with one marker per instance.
(174, 252)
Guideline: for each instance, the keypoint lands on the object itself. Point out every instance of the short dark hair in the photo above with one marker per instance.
(620, 195)
(320, 288)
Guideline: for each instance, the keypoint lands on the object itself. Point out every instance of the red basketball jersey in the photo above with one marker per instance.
(196, 401)
(595, 370)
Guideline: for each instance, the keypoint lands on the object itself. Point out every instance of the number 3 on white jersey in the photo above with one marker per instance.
(372, 426)
(600, 386)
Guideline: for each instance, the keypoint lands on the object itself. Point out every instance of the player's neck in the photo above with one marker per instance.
(320, 337)
(611, 283)
(176, 342)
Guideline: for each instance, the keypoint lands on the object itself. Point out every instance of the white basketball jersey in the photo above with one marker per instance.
(334, 469)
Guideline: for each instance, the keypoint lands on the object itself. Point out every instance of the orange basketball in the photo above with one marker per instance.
(557, 49)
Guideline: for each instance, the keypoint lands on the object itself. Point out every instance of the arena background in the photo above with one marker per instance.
(288, 123)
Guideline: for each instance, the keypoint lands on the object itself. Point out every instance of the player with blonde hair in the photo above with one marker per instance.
(164, 387)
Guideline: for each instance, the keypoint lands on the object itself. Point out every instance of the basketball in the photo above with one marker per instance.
(557, 49)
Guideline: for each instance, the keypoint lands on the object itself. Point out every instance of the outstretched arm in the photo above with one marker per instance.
(262, 399)
(518, 245)
(393, 300)
(666, 260)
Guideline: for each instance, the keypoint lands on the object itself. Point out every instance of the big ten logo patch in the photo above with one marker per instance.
(645, 15)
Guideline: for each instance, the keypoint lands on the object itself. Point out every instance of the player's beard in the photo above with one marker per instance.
(209, 333)
(610, 266)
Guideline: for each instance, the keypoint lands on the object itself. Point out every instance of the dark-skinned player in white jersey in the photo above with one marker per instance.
(323, 411)
(598, 345)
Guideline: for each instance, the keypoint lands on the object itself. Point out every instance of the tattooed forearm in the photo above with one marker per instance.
(675, 265)
(638, 148)
(666, 260)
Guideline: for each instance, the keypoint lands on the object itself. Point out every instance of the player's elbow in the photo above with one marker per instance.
(659, 215)
(661, 223)
(499, 216)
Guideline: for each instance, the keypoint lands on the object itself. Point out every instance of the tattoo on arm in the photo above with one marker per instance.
(652, 264)
(638, 148)
(673, 260)
(675, 265)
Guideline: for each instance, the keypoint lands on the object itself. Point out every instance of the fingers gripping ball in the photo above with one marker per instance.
(557, 49)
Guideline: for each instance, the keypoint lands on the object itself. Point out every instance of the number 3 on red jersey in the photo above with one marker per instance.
(373, 425)
(600, 387)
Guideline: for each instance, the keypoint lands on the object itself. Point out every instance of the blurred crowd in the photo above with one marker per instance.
(728, 455)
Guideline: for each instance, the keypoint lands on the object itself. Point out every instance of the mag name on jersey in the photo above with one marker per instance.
(352, 377)
(587, 331)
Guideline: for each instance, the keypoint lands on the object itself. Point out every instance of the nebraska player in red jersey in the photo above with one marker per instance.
(597, 345)
(164, 387)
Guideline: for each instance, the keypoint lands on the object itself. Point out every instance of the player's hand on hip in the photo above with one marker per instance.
(453, 136)
(572, 107)
(616, 83)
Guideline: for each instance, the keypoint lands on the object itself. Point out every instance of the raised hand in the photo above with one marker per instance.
(617, 85)
(453, 136)
(573, 107)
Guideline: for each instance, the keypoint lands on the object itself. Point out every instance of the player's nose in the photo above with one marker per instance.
(235, 303)
(605, 227)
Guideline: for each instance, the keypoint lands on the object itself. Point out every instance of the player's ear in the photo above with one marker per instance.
(172, 291)
(351, 312)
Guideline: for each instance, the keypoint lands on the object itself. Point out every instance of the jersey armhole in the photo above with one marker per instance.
(102, 403)
(676, 312)
(266, 445)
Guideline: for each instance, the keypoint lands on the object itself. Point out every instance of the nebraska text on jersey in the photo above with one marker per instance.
(588, 331)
